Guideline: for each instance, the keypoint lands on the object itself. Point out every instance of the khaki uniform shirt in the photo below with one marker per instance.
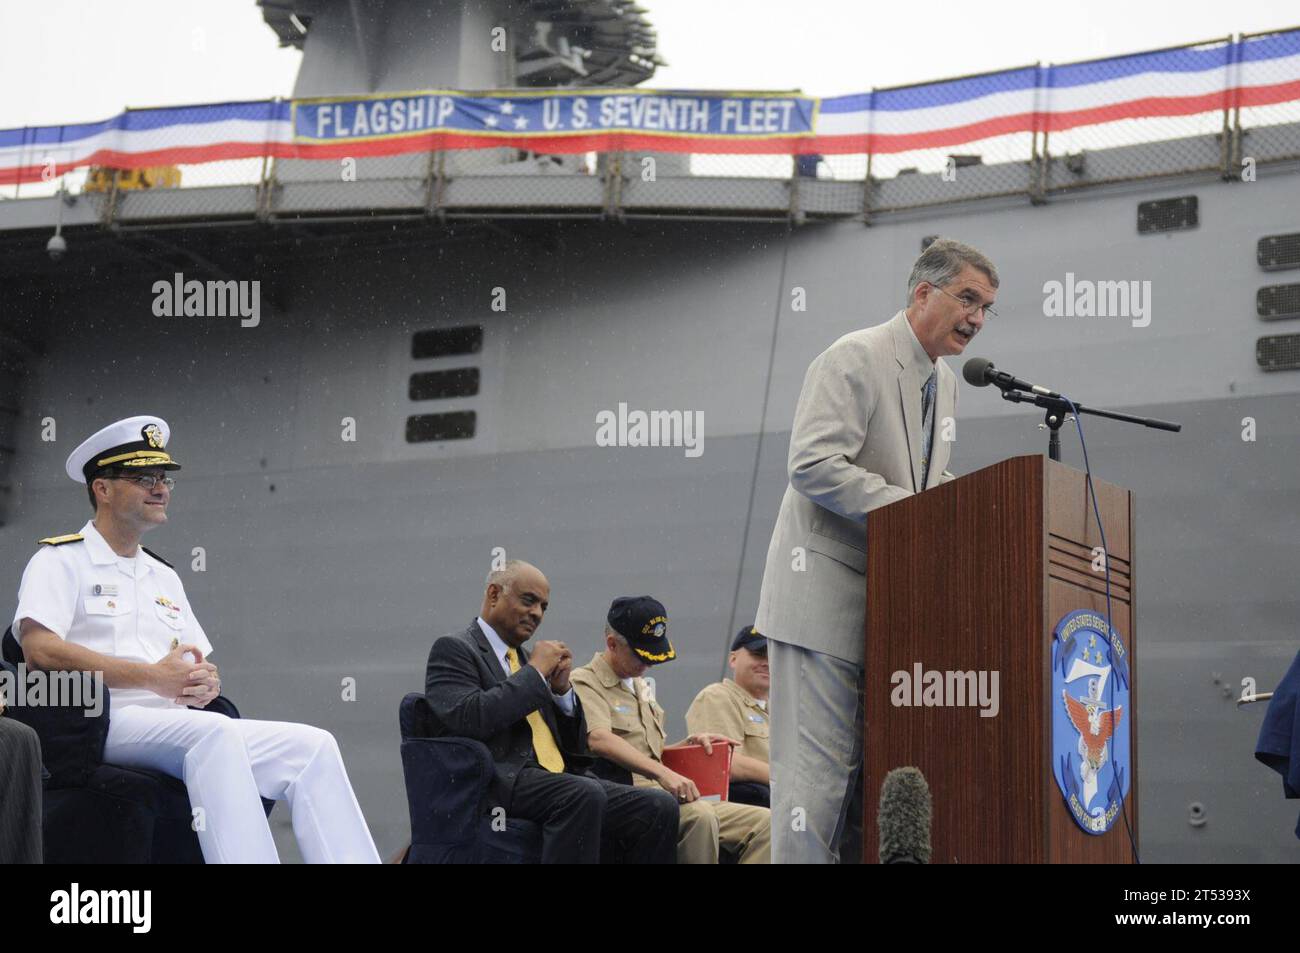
(632, 715)
(724, 708)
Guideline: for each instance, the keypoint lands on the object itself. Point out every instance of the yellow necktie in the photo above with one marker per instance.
(544, 746)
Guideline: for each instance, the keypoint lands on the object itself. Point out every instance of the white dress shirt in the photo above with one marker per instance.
(499, 647)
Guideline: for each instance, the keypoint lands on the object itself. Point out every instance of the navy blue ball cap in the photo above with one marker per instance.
(749, 638)
(643, 621)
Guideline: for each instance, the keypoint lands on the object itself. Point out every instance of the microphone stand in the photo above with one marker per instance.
(1058, 411)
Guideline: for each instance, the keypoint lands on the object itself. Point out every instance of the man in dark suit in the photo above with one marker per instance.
(20, 792)
(482, 684)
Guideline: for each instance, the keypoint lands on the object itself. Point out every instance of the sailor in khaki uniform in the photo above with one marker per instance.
(625, 725)
(98, 601)
(738, 709)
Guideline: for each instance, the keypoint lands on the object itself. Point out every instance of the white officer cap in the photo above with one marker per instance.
(134, 442)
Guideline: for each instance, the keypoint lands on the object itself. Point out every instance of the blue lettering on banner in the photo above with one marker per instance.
(738, 116)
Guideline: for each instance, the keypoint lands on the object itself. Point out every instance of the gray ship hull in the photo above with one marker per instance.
(330, 559)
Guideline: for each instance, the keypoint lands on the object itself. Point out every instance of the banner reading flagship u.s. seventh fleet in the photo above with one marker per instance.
(1186, 81)
(588, 120)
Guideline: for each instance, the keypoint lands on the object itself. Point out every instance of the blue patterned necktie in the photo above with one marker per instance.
(927, 423)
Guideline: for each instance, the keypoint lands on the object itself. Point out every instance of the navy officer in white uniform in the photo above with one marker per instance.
(97, 601)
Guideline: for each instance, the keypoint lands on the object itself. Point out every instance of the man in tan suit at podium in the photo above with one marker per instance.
(872, 426)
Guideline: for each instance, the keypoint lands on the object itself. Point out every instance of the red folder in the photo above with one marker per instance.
(711, 773)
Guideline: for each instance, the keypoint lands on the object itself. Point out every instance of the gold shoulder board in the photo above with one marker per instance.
(60, 540)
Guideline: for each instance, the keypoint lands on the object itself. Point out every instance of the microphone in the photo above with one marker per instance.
(980, 372)
(904, 818)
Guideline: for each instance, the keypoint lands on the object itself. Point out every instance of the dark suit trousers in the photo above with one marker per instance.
(586, 820)
(20, 794)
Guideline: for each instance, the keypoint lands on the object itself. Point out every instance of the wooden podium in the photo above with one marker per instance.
(973, 576)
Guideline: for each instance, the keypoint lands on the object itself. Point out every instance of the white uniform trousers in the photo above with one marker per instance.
(227, 763)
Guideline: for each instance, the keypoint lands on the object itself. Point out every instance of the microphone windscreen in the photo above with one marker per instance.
(976, 370)
(904, 819)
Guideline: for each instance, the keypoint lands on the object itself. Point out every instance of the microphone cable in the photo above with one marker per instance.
(1110, 629)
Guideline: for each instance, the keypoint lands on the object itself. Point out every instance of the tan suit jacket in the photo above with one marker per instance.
(855, 446)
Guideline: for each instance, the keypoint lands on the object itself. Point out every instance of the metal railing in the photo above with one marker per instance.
(1229, 137)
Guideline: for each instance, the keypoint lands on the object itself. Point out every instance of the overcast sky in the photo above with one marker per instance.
(77, 60)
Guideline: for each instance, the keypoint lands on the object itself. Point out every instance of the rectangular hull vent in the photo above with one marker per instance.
(1278, 352)
(447, 342)
(1278, 252)
(1278, 301)
(434, 385)
(1168, 215)
(430, 428)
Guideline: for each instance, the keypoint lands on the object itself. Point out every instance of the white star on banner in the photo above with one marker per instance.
(489, 120)
(521, 123)
(508, 107)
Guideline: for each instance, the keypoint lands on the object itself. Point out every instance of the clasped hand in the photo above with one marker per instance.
(193, 683)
